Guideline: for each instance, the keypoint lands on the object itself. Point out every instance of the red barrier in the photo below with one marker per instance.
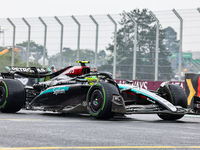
(150, 85)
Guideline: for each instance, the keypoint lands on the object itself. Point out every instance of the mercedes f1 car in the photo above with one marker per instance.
(75, 89)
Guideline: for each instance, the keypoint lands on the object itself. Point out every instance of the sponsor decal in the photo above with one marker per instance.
(181, 84)
(23, 80)
(69, 71)
(28, 70)
(68, 82)
(163, 84)
(57, 91)
(150, 85)
(141, 84)
(165, 102)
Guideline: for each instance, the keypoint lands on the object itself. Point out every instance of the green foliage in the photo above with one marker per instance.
(145, 47)
(70, 56)
(37, 49)
(171, 42)
(6, 59)
(33, 46)
(102, 54)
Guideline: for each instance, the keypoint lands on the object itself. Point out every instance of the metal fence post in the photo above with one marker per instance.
(29, 37)
(135, 44)
(14, 31)
(96, 44)
(157, 45)
(2, 31)
(79, 35)
(180, 46)
(115, 45)
(45, 39)
(61, 41)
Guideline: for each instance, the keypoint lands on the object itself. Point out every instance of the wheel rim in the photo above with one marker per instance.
(2, 95)
(96, 101)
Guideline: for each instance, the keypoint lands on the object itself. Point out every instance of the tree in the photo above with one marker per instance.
(5, 60)
(69, 56)
(170, 40)
(102, 54)
(20, 57)
(145, 47)
(35, 49)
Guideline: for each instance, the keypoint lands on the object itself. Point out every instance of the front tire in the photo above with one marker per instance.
(175, 95)
(99, 98)
(12, 95)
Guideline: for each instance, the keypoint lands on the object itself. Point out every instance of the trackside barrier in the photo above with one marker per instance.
(150, 85)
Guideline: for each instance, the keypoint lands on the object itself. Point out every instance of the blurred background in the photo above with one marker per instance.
(111, 42)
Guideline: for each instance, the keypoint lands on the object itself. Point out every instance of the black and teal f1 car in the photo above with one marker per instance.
(75, 89)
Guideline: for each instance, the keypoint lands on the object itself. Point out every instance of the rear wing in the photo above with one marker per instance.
(28, 70)
(25, 72)
(32, 72)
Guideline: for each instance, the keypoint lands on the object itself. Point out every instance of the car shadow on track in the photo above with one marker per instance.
(121, 118)
(153, 119)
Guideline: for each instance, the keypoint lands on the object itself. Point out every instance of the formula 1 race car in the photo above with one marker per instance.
(75, 89)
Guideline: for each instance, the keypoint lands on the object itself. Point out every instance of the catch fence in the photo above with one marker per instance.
(61, 40)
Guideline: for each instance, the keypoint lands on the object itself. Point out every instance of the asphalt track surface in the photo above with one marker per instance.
(45, 130)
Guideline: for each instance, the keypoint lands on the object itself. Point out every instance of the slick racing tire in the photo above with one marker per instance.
(99, 98)
(175, 95)
(12, 95)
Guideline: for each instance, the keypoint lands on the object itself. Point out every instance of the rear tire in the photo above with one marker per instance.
(12, 95)
(175, 95)
(99, 98)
